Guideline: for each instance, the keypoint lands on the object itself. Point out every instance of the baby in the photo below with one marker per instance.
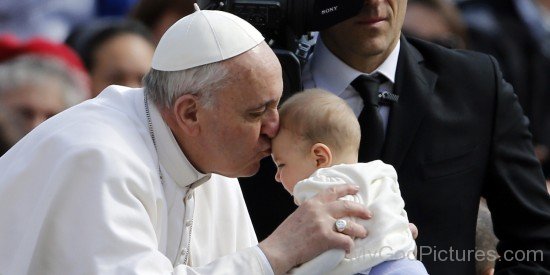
(316, 148)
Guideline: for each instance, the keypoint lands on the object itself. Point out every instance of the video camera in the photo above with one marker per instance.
(286, 25)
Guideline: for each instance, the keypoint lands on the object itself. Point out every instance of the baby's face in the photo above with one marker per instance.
(293, 159)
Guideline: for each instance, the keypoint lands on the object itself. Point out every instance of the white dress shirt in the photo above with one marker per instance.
(81, 194)
(326, 71)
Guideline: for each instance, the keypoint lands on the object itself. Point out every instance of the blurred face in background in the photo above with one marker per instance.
(438, 21)
(121, 60)
(544, 3)
(425, 22)
(32, 104)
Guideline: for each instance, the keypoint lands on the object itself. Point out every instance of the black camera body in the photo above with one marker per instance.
(285, 23)
(279, 19)
(267, 16)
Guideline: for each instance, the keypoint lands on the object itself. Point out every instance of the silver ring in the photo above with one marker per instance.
(340, 225)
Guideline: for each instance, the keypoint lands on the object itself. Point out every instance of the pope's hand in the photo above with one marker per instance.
(310, 230)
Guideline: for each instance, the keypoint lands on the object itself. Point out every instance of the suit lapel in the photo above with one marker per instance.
(414, 84)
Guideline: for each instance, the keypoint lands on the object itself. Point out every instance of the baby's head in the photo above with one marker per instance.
(317, 129)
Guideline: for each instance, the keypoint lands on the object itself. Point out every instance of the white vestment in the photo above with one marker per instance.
(389, 236)
(81, 194)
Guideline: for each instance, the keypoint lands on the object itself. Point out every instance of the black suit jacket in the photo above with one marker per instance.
(521, 52)
(458, 133)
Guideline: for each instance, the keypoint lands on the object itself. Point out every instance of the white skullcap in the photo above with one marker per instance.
(204, 37)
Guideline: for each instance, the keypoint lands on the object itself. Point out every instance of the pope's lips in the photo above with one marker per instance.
(266, 152)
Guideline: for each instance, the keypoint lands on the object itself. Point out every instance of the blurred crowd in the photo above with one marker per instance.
(55, 53)
(516, 32)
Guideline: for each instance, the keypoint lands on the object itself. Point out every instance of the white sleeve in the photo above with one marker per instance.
(247, 261)
(97, 211)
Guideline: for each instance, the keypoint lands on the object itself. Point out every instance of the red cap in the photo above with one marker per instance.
(11, 47)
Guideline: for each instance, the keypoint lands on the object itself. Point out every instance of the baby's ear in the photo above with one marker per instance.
(322, 155)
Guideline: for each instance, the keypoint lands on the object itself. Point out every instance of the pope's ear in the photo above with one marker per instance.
(322, 155)
(185, 113)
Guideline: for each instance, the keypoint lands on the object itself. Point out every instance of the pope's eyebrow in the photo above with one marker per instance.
(264, 104)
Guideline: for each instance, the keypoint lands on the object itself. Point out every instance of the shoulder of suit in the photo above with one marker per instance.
(433, 52)
(457, 64)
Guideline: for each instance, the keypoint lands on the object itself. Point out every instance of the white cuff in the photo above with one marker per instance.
(264, 261)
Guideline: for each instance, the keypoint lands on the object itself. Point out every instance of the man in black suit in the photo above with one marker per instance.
(514, 32)
(456, 133)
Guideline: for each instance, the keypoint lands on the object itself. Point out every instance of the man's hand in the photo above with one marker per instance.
(414, 230)
(309, 231)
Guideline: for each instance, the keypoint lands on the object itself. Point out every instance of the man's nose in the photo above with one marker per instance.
(270, 125)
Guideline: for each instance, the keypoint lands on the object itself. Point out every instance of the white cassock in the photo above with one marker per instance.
(389, 236)
(81, 194)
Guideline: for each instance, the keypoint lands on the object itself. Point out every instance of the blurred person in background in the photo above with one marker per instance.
(55, 19)
(110, 8)
(486, 241)
(51, 19)
(8, 132)
(438, 21)
(517, 33)
(39, 79)
(114, 51)
(159, 15)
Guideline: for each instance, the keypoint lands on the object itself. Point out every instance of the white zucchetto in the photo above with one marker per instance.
(204, 37)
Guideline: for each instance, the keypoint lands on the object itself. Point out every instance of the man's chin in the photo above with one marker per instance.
(250, 171)
(247, 171)
(243, 172)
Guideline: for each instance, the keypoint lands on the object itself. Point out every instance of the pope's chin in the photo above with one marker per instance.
(247, 169)
(252, 168)
(251, 171)
(238, 170)
(243, 172)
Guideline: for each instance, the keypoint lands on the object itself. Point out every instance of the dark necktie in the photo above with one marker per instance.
(370, 120)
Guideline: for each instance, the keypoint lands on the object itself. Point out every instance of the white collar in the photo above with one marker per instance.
(171, 157)
(331, 73)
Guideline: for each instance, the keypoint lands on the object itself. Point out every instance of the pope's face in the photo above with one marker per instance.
(370, 35)
(236, 131)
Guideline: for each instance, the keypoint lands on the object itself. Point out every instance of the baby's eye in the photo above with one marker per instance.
(281, 165)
